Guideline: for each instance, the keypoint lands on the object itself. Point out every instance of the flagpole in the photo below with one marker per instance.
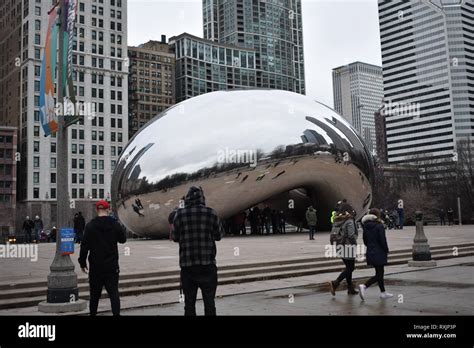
(62, 293)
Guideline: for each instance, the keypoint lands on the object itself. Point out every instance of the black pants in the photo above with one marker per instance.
(378, 277)
(97, 281)
(205, 278)
(347, 273)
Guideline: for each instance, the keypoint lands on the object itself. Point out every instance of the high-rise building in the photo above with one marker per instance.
(358, 94)
(274, 29)
(8, 161)
(100, 79)
(204, 66)
(151, 82)
(428, 68)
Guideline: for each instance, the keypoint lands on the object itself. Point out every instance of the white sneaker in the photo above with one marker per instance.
(362, 288)
(385, 295)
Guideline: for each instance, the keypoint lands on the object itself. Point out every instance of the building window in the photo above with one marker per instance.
(36, 192)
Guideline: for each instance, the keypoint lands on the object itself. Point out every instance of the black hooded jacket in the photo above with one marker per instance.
(100, 241)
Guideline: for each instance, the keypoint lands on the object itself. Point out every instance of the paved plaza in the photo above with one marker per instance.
(141, 256)
(451, 282)
(446, 290)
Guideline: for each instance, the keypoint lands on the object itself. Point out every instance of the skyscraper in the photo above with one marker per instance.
(428, 68)
(151, 82)
(273, 29)
(358, 94)
(100, 79)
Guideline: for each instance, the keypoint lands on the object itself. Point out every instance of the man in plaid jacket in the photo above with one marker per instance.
(196, 228)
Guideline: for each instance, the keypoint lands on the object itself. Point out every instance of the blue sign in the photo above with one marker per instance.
(66, 242)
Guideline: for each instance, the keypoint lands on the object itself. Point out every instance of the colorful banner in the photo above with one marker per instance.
(48, 116)
(68, 23)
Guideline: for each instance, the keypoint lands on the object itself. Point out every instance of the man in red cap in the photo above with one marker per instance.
(100, 242)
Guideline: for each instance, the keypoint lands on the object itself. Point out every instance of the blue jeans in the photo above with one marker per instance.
(312, 231)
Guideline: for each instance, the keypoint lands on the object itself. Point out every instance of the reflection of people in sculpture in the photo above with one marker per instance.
(139, 203)
(137, 210)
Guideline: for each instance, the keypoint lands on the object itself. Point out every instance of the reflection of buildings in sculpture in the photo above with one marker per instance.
(296, 159)
(311, 136)
(126, 170)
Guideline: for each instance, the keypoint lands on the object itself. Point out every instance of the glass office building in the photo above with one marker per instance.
(204, 66)
(272, 28)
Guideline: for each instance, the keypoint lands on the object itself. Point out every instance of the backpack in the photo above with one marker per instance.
(337, 236)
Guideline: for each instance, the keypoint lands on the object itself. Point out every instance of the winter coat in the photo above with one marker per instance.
(350, 234)
(311, 217)
(375, 241)
(38, 224)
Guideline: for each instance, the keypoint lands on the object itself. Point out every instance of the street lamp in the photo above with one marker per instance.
(456, 161)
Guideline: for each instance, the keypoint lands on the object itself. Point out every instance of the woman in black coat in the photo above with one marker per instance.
(377, 251)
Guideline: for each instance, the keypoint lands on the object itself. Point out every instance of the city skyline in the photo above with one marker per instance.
(148, 20)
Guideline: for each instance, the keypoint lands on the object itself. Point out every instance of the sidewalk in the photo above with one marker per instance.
(437, 291)
(141, 256)
(271, 297)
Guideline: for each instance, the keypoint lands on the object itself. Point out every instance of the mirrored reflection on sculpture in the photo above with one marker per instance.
(243, 148)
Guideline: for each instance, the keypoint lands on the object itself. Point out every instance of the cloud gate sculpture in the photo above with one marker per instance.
(244, 148)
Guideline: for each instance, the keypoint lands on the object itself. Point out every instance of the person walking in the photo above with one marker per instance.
(450, 216)
(253, 219)
(99, 247)
(267, 218)
(28, 226)
(196, 229)
(377, 251)
(282, 221)
(38, 223)
(275, 223)
(79, 225)
(311, 220)
(442, 217)
(344, 235)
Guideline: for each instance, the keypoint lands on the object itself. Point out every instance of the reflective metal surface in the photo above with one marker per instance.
(243, 148)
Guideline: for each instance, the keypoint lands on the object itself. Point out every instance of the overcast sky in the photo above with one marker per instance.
(335, 33)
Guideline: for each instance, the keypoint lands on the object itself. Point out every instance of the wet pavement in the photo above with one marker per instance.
(445, 290)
